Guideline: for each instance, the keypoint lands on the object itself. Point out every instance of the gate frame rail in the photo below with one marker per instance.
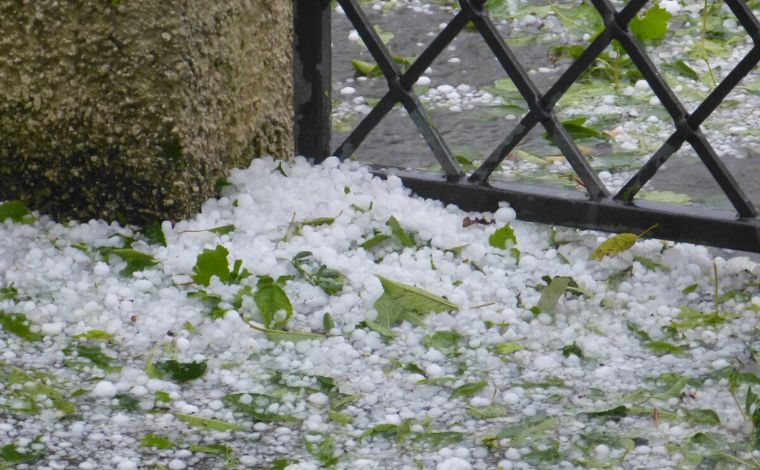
(596, 210)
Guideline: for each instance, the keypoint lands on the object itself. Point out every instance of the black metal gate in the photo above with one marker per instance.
(597, 209)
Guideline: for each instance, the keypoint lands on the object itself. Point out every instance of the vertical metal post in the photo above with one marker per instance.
(312, 79)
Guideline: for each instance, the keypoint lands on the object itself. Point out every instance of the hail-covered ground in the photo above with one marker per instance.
(316, 316)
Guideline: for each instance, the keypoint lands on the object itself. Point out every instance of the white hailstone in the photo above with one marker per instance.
(52, 328)
(318, 399)
(177, 464)
(510, 398)
(101, 269)
(642, 85)
(126, 464)
(672, 6)
(545, 362)
(512, 454)
(105, 389)
(183, 344)
(347, 91)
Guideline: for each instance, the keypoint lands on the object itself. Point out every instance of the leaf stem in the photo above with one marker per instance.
(647, 231)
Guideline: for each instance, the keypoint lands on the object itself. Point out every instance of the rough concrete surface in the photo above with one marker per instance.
(133, 109)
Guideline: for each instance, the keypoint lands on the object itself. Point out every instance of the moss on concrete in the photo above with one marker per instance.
(134, 109)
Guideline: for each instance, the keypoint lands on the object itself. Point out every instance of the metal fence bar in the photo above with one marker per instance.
(573, 209)
(533, 98)
(550, 99)
(312, 78)
(595, 210)
(669, 100)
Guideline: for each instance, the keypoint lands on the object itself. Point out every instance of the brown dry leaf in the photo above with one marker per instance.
(477, 220)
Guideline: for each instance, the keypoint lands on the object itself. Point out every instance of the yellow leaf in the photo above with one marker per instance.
(614, 245)
(618, 244)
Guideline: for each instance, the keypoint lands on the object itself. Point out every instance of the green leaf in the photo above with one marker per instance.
(593, 439)
(469, 389)
(502, 236)
(690, 318)
(16, 211)
(256, 409)
(128, 402)
(529, 428)
(750, 402)
(397, 432)
(136, 260)
(282, 464)
(617, 244)
(616, 279)
(214, 263)
(666, 197)
(652, 26)
(154, 440)
(331, 281)
(544, 457)
(505, 349)
(270, 298)
(374, 241)
(208, 424)
(8, 293)
(222, 230)
(327, 322)
(281, 335)
(154, 234)
(378, 328)
(702, 416)
(390, 313)
(690, 288)
(340, 418)
(612, 413)
(338, 400)
(182, 372)
(213, 300)
(415, 299)
(551, 381)
(551, 294)
(661, 348)
(681, 68)
(366, 69)
(571, 349)
(17, 324)
(323, 450)
(94, 335)
(487, 412)
(437, 440)
(11, 454)
(442, 340)
(319, 221)
(93, 353)
(437, 381)
(406, 238)
(649, 263)
(280, 170)
(211, 263)
(578, 131)
(31, 392)
(641, 334)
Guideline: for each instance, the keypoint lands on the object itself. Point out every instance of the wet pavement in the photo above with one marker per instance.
(468, 61)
